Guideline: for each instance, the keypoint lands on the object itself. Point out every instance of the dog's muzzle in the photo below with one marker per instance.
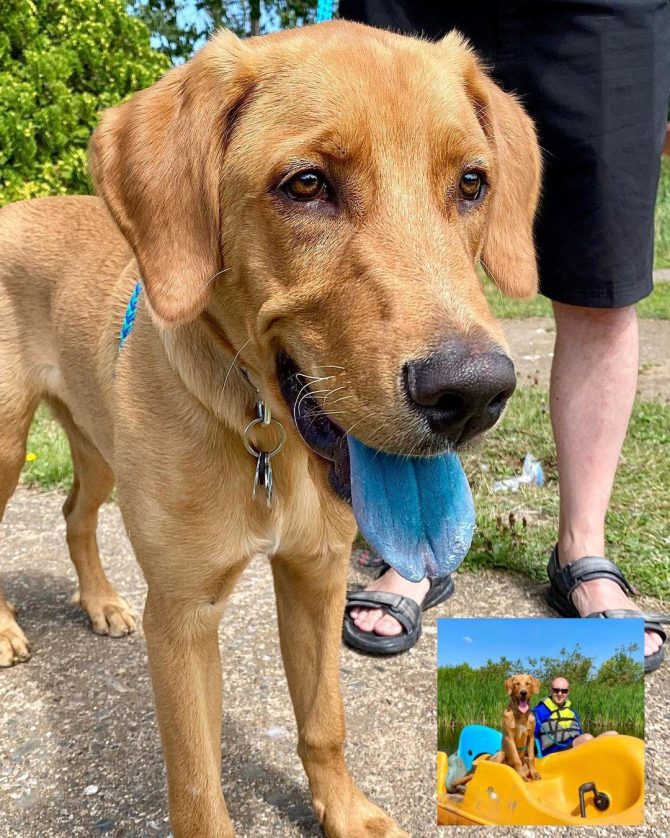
(320, 433)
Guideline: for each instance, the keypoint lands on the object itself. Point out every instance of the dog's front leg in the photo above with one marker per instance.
(310, 604)
(533, 773)
(509, 744)
(186, 673)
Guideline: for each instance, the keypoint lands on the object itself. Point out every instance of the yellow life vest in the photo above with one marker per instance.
(561, 727)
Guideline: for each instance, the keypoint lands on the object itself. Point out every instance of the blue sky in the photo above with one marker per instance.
(474, 641)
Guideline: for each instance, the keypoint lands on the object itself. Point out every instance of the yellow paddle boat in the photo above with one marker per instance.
(598, 783)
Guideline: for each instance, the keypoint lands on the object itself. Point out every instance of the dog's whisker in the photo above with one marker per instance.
(313, 377)
(350, 429)
(341, 398)
(217, 274)
(318, 414)
(298, 400)
(331, 393)
(225, 381)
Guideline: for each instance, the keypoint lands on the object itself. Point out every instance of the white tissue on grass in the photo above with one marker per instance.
(531, 475)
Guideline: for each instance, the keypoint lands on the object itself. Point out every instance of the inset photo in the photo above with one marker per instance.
(540, 722)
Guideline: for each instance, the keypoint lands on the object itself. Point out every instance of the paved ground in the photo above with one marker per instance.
(79, 750)
(532, 343)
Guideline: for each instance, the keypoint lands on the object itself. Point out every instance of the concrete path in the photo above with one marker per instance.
(79, 748)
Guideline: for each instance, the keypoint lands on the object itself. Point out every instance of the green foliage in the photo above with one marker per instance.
(179, 26)
(572, 665)
(61, 62)
(173, 32)
(621, 668)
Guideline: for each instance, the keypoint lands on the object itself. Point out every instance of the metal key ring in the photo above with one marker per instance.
(250, 448)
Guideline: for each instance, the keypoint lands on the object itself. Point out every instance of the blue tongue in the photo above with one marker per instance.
(416, 512)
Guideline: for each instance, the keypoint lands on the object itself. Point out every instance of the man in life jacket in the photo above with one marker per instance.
(557, 725)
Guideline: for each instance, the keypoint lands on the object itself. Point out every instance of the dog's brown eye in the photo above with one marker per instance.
(471, 185)
(306, 186)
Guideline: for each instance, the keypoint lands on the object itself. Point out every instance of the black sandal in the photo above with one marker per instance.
(564, 580)
(402, 608)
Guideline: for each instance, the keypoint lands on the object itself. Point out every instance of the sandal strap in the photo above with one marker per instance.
(441, 588)
(403, 608)
(566, 579)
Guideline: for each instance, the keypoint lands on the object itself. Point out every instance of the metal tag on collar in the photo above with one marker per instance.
(263, 476)
(264, 413)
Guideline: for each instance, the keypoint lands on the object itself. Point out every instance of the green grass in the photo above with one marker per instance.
(662, 245)
(51, 467)
(654, 307)
(471, 696)
(516, 531)
(657, 305)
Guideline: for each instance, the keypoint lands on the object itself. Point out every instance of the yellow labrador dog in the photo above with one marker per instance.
(305, 211)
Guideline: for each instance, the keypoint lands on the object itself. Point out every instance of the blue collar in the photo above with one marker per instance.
(129, 316)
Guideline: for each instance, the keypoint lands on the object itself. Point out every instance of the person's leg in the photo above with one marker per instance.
(587, 737)
(593, 383)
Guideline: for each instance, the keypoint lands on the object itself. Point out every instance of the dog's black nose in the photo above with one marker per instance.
(461, 389)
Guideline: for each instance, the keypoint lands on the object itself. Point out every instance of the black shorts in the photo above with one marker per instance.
(595, 77)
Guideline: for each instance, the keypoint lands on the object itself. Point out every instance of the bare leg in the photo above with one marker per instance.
(587, 737)
(310, 604)
(593, 382)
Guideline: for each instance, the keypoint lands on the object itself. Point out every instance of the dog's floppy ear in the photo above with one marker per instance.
(508, 252)
(508, 255)
(536, 686)
(156, 162)
(508, 685)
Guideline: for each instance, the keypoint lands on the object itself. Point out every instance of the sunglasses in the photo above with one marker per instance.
(559, 690)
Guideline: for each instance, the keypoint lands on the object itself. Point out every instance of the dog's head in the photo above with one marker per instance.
(326, 194)
(520, 688)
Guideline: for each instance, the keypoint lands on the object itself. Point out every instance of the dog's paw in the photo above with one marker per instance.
(535, 776)
(109, 614)
(14, 646)
(363, 819)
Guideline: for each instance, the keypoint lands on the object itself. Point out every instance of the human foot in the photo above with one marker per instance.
(377, 620)
(575, 594)
(605, 595)
(388, 613)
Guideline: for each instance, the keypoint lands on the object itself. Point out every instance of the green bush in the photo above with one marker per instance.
(61, 63)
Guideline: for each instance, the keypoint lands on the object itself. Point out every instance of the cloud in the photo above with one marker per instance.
(468, 639)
